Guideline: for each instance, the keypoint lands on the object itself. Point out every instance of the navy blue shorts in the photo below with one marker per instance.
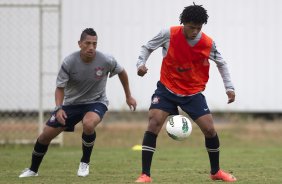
(195, 106)
(75, 114)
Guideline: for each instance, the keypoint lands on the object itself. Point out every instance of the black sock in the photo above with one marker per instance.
(212, 145)
(87, 146)
(148, 149)
(37, 155)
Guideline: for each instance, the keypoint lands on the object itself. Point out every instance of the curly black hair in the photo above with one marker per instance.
(195, 14)
(87, 31)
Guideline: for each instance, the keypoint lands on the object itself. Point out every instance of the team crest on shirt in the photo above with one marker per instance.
(99, 71)
(155, 100)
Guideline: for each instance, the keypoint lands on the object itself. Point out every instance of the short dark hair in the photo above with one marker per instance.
(87, 31)
(195, 14)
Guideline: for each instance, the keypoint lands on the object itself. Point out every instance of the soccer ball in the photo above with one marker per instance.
(178, 127)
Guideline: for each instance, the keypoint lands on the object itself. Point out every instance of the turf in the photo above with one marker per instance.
(252, 152)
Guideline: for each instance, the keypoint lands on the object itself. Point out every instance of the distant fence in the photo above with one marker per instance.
(29, 59)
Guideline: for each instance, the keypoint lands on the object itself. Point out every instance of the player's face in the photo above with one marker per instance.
(191, 30)
(88, 47)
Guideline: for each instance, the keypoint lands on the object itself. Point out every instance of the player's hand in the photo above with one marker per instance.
(61, 116)
(231, 96)
(131, 102)
(142, 70)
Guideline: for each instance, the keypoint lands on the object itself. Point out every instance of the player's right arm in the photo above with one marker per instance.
(62, 79)
(159, 40)
(60, 113)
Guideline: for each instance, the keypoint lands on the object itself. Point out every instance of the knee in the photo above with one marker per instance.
(155, 125)
(44, 139)
(209, 132)
(88, 128)
(89, 125)
(89, 122)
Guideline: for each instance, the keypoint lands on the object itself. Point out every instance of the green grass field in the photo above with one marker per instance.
(252, 151)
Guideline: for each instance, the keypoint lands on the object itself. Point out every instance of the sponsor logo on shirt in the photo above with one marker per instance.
(179, 69)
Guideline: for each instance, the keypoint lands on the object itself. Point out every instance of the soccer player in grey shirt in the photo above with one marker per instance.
(80, 96)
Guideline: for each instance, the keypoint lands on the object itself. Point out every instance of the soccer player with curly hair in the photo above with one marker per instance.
(183, 77)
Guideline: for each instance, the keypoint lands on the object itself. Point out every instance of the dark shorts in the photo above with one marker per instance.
(75, 114)
(195, 106)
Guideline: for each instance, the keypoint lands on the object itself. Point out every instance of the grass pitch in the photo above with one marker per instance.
(252, 151)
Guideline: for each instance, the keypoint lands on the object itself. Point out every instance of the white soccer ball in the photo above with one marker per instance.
(178, 127)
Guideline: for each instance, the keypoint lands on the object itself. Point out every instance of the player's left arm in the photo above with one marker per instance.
(131, 102)
(116, 68)
(224, 72)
